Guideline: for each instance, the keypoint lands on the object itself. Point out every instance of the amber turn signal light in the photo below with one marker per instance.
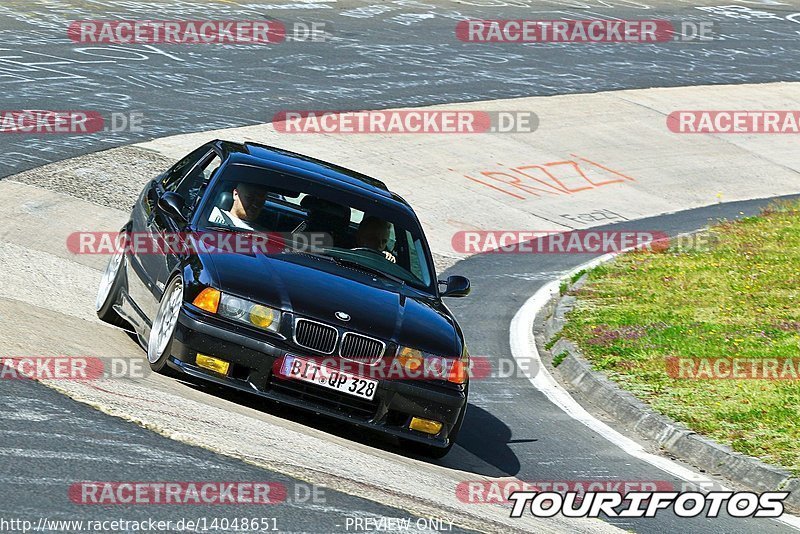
(208, 300)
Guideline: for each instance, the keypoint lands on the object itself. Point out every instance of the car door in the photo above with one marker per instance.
(191, 188)
(146, 263)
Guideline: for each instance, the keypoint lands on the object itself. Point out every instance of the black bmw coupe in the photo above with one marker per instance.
(296, 280)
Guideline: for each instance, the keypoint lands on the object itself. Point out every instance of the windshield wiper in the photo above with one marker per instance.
(320, 255)
(342, 262)
(223, 228)
(370, 270)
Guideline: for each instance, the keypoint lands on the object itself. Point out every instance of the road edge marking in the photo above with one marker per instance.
(524, 349)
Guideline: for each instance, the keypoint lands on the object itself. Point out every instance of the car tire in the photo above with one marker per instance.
(109, 291)
(162, 333)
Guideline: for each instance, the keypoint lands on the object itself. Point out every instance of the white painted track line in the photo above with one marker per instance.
(525, 352)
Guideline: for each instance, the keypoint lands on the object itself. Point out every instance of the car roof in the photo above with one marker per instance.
(309, 167)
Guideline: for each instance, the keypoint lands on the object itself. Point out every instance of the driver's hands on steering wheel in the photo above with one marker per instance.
(385, 253)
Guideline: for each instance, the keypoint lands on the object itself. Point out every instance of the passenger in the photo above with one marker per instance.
(373, 233)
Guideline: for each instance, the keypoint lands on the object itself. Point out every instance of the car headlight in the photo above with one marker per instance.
(244, 311)
(239, 309)
(420, 364)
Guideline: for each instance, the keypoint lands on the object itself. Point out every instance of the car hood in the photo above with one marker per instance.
(318, 289)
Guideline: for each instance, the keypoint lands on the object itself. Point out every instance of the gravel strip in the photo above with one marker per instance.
(112, 178)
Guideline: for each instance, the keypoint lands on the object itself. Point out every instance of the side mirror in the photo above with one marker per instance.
(457, 286)
(172, 205)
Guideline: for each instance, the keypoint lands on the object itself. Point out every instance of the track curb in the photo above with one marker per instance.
(591, 387)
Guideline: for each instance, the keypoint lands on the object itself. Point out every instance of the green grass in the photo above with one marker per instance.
(553, 341)
(577, 276)
(560, 357)
(563, 288)
(741, 298)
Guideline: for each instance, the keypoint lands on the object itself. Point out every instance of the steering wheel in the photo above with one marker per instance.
(385, 254)
(367, 249)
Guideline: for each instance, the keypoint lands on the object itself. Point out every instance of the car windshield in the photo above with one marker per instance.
(309, 217)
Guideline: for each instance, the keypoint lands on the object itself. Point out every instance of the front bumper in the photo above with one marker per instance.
(253, 356)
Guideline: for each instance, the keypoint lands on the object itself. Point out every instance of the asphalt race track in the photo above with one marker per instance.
(390, 54)
(394, 54)
(515, 428)
(86, 444)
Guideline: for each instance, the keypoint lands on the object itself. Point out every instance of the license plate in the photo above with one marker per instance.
(313, 373)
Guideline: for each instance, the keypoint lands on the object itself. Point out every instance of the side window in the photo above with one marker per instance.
(417, 267)
(179, 170)
(211, 167)
(410, 255)
(392, 239)
(193, 185)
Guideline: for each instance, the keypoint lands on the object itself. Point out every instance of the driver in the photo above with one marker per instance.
(248, 202)
(373, 233)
